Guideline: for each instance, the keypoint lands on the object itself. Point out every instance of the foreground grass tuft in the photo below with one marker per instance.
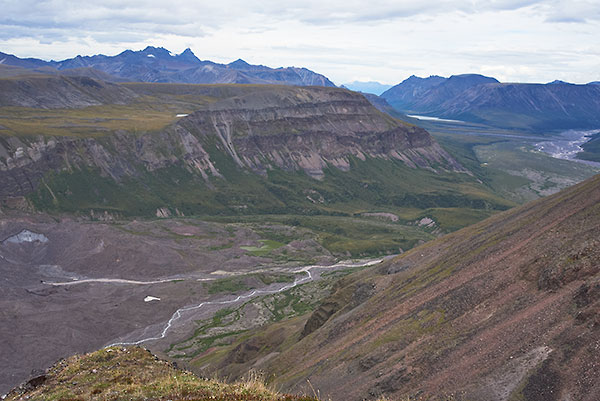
(133, 373)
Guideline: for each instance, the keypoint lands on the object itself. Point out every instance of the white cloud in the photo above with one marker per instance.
(514, 40)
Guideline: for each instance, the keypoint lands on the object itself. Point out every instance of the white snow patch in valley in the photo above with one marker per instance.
(151, 298)
(26, 236)
(182, 115)
(151, 55)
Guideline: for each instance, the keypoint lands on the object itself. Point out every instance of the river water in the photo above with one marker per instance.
(567, 145)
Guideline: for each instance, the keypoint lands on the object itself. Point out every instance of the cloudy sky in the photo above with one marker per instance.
(347, 40)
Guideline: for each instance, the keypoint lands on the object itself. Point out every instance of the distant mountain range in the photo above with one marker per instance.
(476, 98)
(554, 106)
(375, 88)
(156, 64)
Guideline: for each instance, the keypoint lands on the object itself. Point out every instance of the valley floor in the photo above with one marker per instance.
(74, 286)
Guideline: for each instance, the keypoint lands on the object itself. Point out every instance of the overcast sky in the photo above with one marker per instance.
(347, 40)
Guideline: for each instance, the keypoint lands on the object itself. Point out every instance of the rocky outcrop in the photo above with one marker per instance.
(120, 155)
(311, 129)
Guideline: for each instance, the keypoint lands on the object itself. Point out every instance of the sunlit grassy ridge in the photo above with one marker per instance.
(135, 374)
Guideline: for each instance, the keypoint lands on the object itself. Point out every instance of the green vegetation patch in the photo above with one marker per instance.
(266, 248)
(86, 122)
(246, 282)
(230, 285)
(215, 337)
(510, 167)
(350, 236)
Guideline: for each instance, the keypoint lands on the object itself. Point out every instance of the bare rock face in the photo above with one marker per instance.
(288, 128)
(311, 129)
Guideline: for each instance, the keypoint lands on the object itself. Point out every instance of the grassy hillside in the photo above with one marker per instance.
(135, 374)
(368, 186)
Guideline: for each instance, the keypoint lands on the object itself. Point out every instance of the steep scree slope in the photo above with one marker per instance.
(507, 309)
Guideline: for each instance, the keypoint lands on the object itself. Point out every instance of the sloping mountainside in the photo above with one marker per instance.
(136, 374)
(591, 149)
(429, 93)
(226, 149)
(57, 92)
(156, 64)
(416, 93)
(507, 309)
(537, 107)
(13, 71)
(382, 105)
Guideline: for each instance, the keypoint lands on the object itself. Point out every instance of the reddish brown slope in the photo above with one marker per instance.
(508, 309)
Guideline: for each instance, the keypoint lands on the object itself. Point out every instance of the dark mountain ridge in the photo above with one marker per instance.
(536, 107)
(59, 91)
(156, 64)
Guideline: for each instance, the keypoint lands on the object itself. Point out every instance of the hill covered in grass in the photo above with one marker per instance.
(133, 373)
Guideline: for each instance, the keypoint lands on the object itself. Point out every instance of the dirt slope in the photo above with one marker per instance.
(507, 309)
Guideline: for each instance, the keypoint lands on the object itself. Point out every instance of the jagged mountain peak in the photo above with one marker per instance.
(239, 63)
(158, 64)
(188, 55)
(559, 82)
(414, 78)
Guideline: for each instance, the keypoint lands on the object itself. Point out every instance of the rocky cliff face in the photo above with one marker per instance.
(309, 129)
(293, 129)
